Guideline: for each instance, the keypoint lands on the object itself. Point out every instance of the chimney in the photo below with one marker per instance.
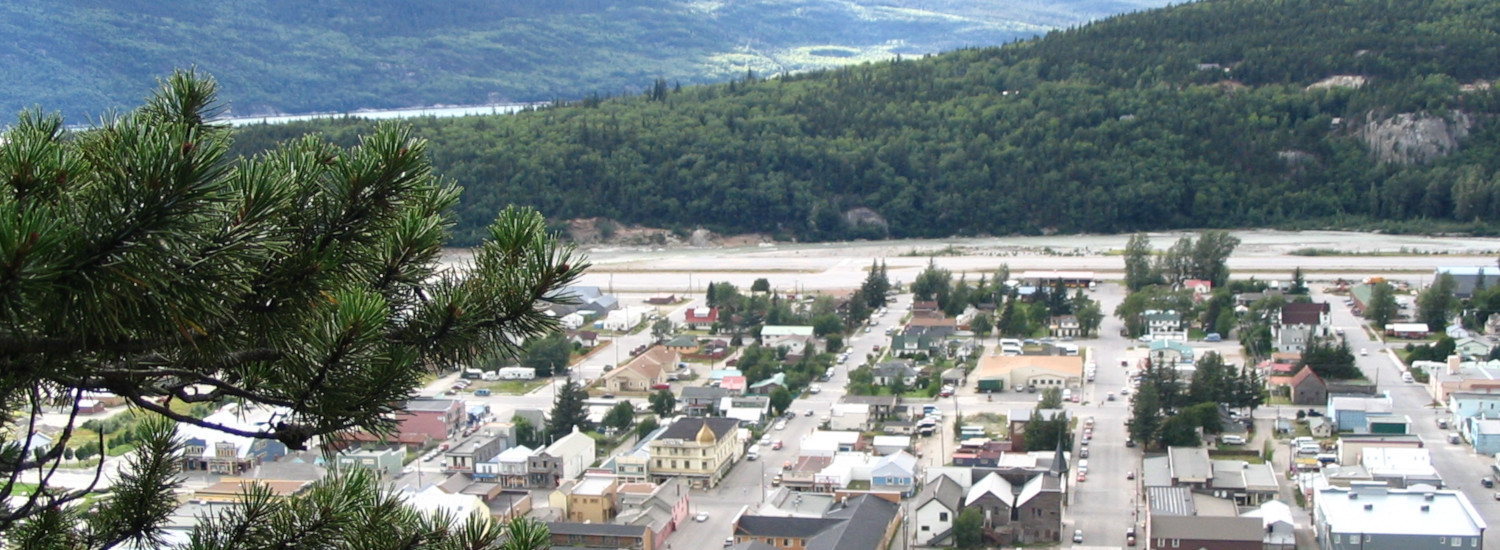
(1426, 508)
(1369, 507)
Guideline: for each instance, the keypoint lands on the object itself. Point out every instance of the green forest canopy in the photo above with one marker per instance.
(1199, 115)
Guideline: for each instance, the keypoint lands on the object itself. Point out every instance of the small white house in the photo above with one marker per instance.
(850, 417)
(622, 319)
(937, 507)
(891, 444)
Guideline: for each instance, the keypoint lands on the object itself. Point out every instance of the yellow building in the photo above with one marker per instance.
(699, 450)
(593, 499)
(1042, 371)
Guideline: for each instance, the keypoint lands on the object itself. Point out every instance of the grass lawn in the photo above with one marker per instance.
(513, 387)
(1301, 430)
(23, 489)
(121, 449)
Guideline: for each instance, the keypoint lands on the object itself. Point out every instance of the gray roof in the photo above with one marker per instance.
(776, 526)
(895, 368)
(867, 519)
(604, 529)
(702, 392)
(1156, 471)
(945, 490)
(1170, 501)
(859, 525)
(885, 400)
(428, 404)
(1024, 414)
(687, 428)
(1190, 463)
(1207, 528)
(1397, 512)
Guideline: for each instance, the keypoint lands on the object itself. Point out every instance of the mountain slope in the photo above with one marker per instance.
(1202, 115)
(84, 56)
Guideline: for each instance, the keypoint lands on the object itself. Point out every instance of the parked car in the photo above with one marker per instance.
(1213, 337)
(1488, 483)
(662, 387)
(808, 413)
(701, 517)
(1232, 439)
(1130, 475)
(776, 445)
(781, 424)
(1129, 442)
(1077, 535)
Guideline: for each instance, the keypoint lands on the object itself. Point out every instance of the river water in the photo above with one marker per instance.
(385, 114)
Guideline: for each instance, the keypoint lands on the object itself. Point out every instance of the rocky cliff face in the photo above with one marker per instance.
(1414, 138)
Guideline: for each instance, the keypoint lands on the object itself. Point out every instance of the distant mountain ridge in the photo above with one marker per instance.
(1219, 113)
(83, 57)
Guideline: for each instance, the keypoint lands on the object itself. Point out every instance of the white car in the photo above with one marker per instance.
(781, 425)
(701, 517)
(1077, 535)
(815, 389)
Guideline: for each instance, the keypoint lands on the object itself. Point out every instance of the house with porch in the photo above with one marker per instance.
(886, 373)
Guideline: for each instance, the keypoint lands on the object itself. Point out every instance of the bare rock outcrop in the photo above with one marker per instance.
(1414, 138)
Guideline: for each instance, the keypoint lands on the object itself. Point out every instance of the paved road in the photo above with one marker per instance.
(1458, 464)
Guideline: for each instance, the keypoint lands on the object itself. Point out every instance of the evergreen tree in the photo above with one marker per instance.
(144, 259)
(1139, 272)
(1145, 415)
(876, 286)
(1436, 303)
(1382, 308)
(1299, 283)
(568, 411)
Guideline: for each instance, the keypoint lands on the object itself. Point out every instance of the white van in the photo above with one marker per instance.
(1067, 395)
(754, 453)
(1232, 439)
(1406, 377)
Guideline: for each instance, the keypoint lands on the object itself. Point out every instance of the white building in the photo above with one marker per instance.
(1372, 515)
(937, 506)
(574, 452)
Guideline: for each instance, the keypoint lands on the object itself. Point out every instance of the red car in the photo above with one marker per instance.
(776, 445)
(662, 387)
(1082, 477)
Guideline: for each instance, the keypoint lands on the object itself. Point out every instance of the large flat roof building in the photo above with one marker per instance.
(1372, 515)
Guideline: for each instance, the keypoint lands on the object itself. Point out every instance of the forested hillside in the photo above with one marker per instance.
(1200, 115)
(83, 57)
